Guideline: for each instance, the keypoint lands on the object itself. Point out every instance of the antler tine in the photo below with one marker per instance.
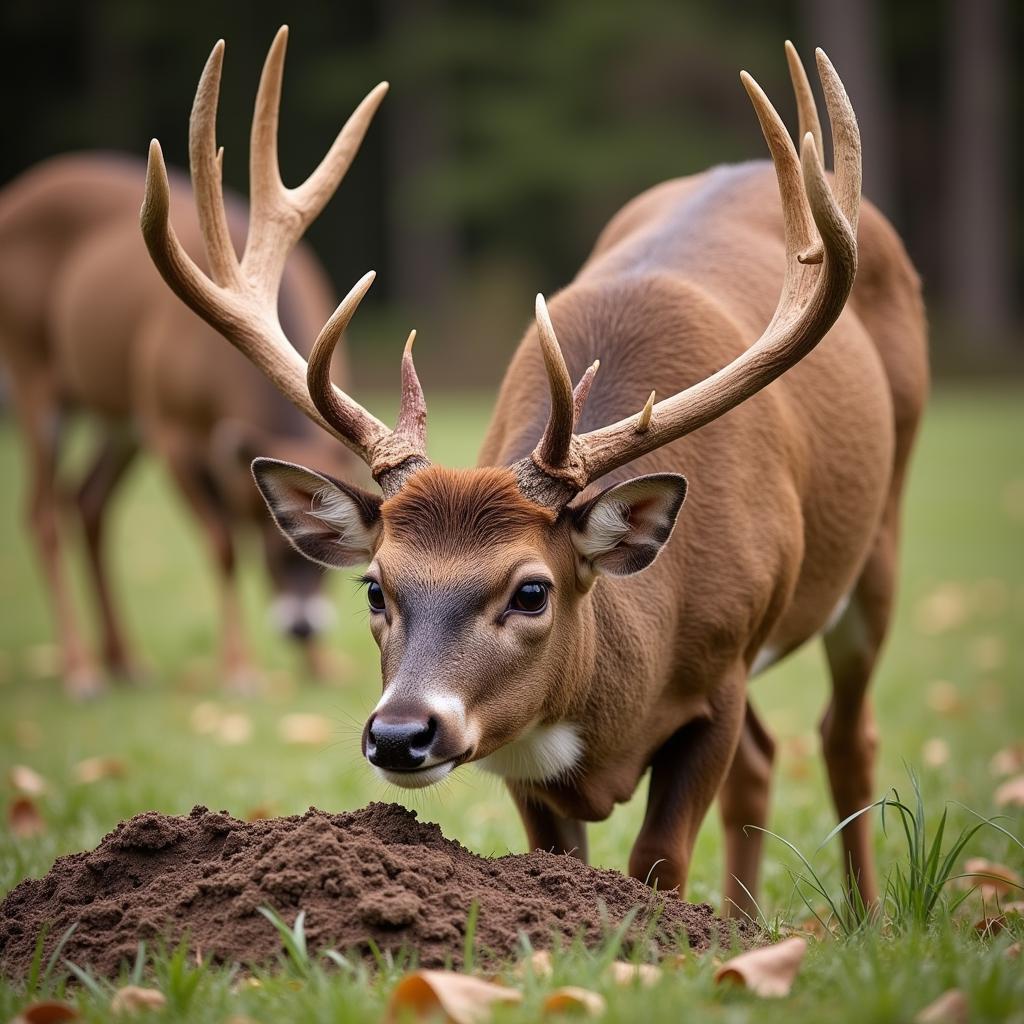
(553, 448)
(412, 412)
(280, 215)
(581, 392)
(812, 297)
(206, 162)
(806, 108)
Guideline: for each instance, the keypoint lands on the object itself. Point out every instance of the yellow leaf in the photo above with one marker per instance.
(462, 998)
(304, 728)
(26, 781)
(49, 1011)
(1011, 793)
(623, 973)
(95, 769)
(768, 972)
(24, 819)
(572, 999)
(950, 1008)
(133, 999)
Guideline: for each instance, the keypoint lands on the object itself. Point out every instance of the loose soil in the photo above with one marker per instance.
(374, 874)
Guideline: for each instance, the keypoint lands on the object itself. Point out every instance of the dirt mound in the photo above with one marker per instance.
(376, 873)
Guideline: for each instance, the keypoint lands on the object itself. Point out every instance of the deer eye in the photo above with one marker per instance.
(530, 599)
(375, 596)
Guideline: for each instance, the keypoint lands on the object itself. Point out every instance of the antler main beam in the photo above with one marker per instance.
(239, 297)
(821, 263)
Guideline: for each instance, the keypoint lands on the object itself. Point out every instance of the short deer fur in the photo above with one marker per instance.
(515, 627)
(86, 324)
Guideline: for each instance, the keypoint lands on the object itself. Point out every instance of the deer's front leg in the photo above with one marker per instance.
(686, 774)
(546, 830)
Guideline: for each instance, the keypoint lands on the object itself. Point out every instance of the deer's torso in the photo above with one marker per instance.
(786, 491)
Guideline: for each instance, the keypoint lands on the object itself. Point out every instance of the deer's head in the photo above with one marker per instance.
(480, 582)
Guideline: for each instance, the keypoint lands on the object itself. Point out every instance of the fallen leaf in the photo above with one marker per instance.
(943, 609)
(623, 973)
(96, 769)
(992, 879)
(462, 998)
(1011, 793)
(538, 962)
(1014, 909)
(1008, 760)
(944, 698)
(935, 752)
(573, 999)
(24, 818)
(987, 926)
(305, 728)
(950, 1008)
(26, 781)
(769, 971)
(1013, 952)
(234, 729)
(134, 998)
(206, 717)
(48, 1011)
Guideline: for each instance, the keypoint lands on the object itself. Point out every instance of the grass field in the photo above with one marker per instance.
(952, 673)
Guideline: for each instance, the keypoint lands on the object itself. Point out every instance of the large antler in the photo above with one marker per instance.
(821, 263)
(239, 298)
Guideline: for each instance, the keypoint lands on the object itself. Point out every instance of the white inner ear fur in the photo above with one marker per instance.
(337, 510)
(606, 527)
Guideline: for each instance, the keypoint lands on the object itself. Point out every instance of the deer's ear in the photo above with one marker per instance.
(622, 530)
(326, 520)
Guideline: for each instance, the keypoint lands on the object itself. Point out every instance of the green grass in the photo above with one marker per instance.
(952, 671)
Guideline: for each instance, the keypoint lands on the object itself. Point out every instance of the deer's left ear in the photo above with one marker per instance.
(622, 530)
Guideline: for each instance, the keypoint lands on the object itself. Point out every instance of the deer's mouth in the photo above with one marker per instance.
(420, 778)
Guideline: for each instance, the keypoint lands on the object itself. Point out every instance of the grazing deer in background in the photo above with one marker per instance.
(515, 625)
(86, 323)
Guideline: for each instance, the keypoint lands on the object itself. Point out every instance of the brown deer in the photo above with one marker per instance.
(515, 627)
(86, 323)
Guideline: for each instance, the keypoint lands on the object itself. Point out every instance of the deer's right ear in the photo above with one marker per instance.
(332, 523)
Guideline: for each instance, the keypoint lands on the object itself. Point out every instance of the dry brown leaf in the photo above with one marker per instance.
(1011, 793)
(769, 971)
(96, 769)
(234, 729)
(992, 879)
(48, 1011)
(944, 698)
(206, 717)
(573, 999)
(950, 1008)
(1008, 760)
(935, 752)
(305, 728)
(623, 973)
(24, 819)
(134, 998)
(987, 926)
(943, 609)
(26, 781)
(462, 998)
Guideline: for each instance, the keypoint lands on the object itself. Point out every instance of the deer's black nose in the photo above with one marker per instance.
(399, 745)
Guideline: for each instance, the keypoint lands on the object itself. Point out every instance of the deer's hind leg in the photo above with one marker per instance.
(848, 733)
(115, 455)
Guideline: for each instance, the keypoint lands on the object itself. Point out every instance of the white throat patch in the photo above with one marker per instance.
(541, 754)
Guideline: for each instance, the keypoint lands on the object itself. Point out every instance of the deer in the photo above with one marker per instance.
(86, 324)
(555, 615)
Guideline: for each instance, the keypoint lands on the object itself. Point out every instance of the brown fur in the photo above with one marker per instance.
(87, 324)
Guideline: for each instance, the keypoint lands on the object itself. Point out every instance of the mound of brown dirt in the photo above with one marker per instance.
(376, 873)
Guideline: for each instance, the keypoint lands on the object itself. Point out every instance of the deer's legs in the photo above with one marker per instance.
(546, 830)
(188, 469)
(686, 774)
(115, 455)
(849, 737)
(38, 413)
(743, 800)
